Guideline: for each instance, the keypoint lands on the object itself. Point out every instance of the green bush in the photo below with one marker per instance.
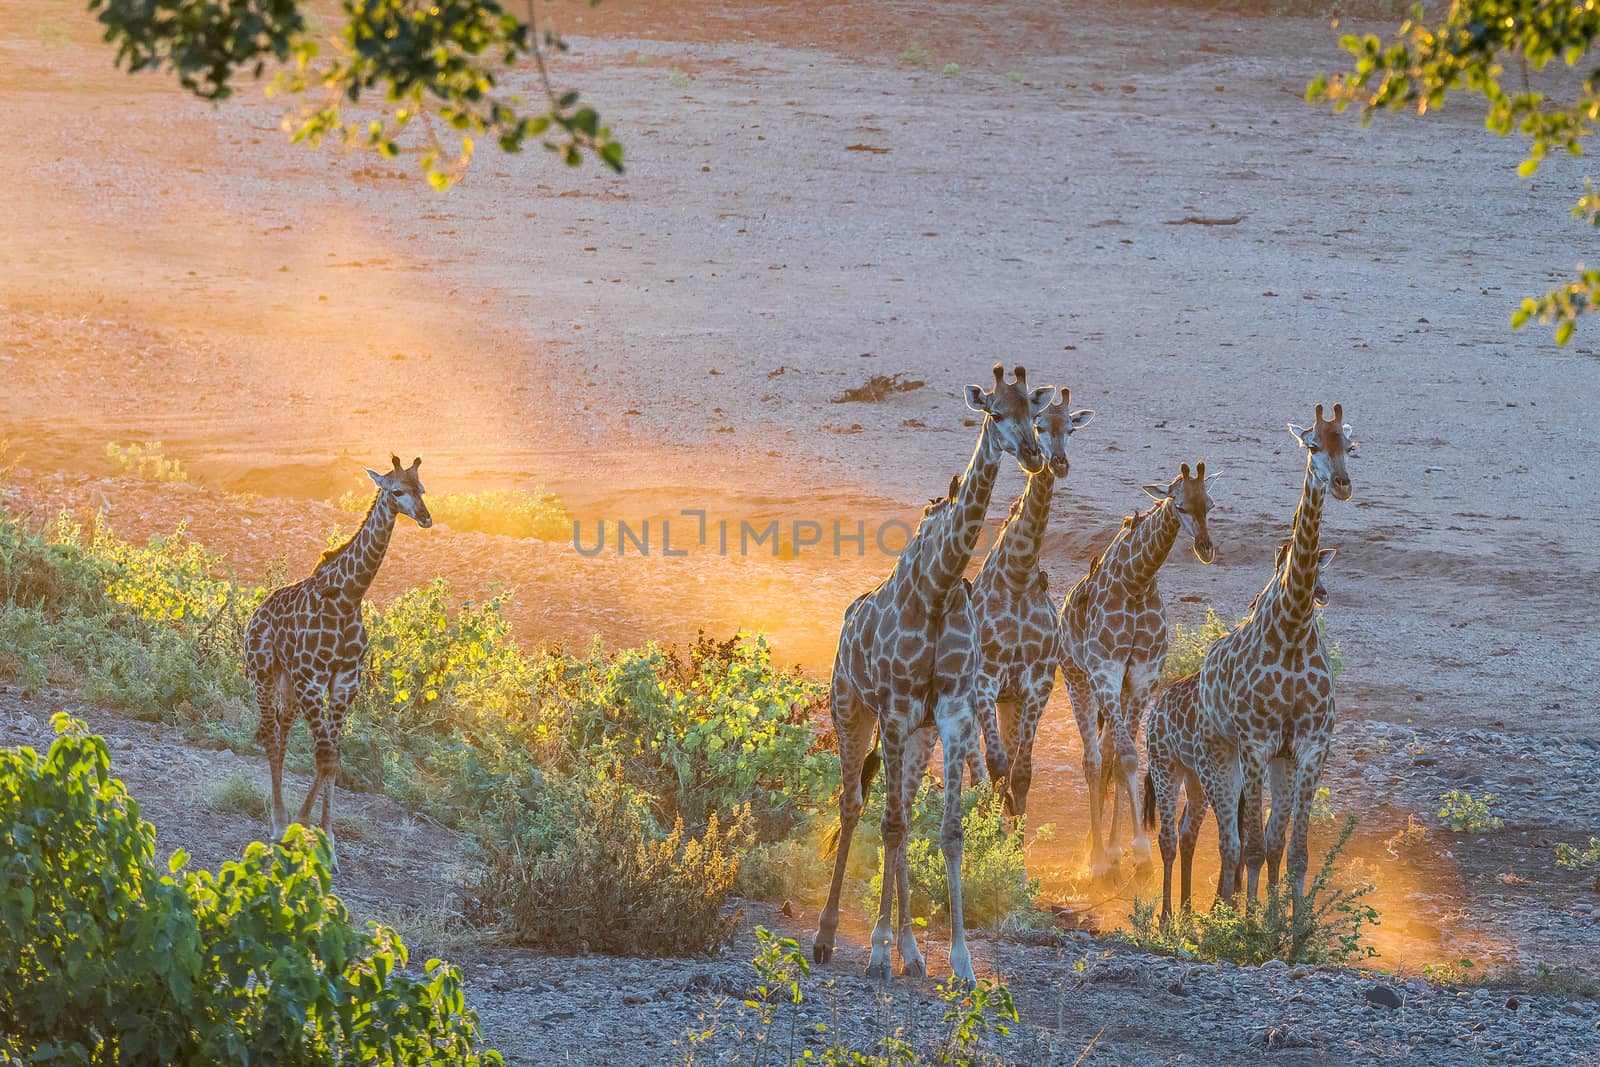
(1461, 811)
(995, 887)
(1330, 927)
(454, 719)
(145, 461)
(1573, 858)
(104, 959)
(612, 883)
(150, 629)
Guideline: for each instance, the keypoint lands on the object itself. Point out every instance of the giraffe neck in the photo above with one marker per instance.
(351, 567)
(1146, 547)
(1294, 601)
(962, 522)
(1016, 555)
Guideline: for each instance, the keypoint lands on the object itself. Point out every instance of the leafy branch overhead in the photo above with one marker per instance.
(391, 66)
(1466, 50)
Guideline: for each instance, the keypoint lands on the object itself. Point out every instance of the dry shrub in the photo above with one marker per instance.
(613, 885)
(878, 387)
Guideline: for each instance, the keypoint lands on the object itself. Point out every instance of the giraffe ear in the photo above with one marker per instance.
(376, 477)
(1156, 492)
(978, 400)
(1211, 479)
(1040, 398)
(1306, 437)
(1081, 418)
(1325, 557)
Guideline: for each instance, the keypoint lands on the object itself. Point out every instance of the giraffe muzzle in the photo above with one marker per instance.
(1059, 466)
(1341, 488)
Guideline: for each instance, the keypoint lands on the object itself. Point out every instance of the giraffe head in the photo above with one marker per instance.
(1319, 591)
(1191, 499)
(1055, 424)
(1009, 410)
(1328, 442)
(403, 485)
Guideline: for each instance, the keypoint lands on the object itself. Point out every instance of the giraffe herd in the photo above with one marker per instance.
(928, 656)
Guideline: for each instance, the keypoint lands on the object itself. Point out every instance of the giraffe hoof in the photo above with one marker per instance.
(821, 953)
(914, 968)
(877, 972)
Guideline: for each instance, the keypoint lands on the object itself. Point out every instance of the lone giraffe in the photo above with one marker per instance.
(1018, 629)
(1114, 637)
(304, 645)
(1266, 689)
(1176, 747)
(907, 664)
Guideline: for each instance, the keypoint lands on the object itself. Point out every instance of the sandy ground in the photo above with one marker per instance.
(807, 212)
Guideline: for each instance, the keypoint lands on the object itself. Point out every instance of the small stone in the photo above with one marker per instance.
(1383, 996)
(1178, 989)
(1423, 761)
(1513, 1003)
(1274, 966)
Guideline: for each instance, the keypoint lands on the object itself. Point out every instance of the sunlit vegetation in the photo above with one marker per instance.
(109, 958)
(1468, 47)
(512, 512)
(387, 77)
(1330, 927)
(145, 461)
(1459, 810)
(996, 889)
(718, 776)
(1573, 858)
(767, 1029)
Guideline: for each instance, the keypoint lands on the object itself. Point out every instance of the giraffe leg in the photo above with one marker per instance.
(996, 756)
(1162, 795)
(853, 724)
(893, 828)
(918, 749)
(1027, 728)
(1254, 853)
(340, 692)
(275, 700)
(1222, 778)
(1278, 819)
(1086, 713)
(957, 736)
(1111, 786)
(1307, 772)
(1007, 711)
(1141, 685)
(1194, 813)
(312, 696)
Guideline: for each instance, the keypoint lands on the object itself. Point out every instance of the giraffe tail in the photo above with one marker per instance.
(869, 771)
(1149, 801)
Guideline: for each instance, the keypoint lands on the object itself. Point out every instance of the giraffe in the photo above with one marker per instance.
(1176, 747)
(1114, 636)
(304, 645)
(1266, 689)
(906, 665)
(1017, 621)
